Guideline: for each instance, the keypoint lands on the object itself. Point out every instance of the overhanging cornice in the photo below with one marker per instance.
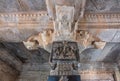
(41, 20)
(25, 20)
(100, 21)
(17, 27)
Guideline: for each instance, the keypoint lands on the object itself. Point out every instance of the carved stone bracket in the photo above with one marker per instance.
(83, 37)
(87, 39)
(43, 39)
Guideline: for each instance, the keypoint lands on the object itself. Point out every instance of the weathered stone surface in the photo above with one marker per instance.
(99, 20)
(17, 27)
(39, 55)
(79, 6)
(22, 54)
(20, 26)
(88, 71)
(117, 74)
(110, 53)
(34, 72)
(7, 73)
(96, 71)
(14, 55)
(6, 57)
(103, 6)
(21, 5)
(18, 50)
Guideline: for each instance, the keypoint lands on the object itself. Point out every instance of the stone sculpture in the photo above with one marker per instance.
(64, 60)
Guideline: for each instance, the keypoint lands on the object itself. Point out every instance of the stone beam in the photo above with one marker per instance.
(16, 27)
(110, 53)
(105, 52)
(99, 21)
(41, 19)
(89, 71)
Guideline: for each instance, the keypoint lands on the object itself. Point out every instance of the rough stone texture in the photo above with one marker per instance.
(6, 57)
(21, 54)
(114, 54)
(79, 6)
(21, 26)
(119, 65)
(7, 73)
(37, 5)
(117, 75)
(96, 71)
(118, 62)
(34, 72)
(103, 6)
(39, 55)
(88, 71)
(21, 5)
(14, 55)
(17, 27)
(17, 50)
(110, 53)
(99, 17)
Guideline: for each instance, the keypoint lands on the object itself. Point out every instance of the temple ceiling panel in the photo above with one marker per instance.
(93, 24)
(22, 5)
(103, 6)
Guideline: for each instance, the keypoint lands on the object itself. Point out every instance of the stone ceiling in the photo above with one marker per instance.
(20, 19)
(39, 5)
(22, 5)
(103, 6)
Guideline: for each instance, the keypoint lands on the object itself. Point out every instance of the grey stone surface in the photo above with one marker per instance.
(103, 6)
(22, 5)
(37, 5)
(33, 64)
(38, 72)
(14, 55)
(7, 73)
(108, 35)
(37, 68)
(110, 53)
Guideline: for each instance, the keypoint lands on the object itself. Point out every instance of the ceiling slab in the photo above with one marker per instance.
(22, 5)
(103, 6)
